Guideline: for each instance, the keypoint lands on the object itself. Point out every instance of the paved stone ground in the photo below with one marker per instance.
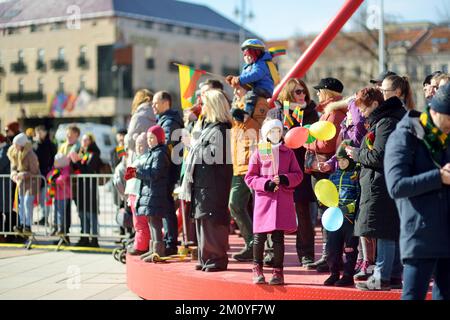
(44, 275)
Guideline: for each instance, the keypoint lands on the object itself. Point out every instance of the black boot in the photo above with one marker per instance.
(94, 243)
(83, 242)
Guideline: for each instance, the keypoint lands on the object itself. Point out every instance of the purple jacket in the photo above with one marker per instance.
(355, 131)
(274, 210)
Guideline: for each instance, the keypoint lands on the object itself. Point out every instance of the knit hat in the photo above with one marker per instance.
(21, 139)
(269, 125)
(29, 132)
(441, 100)
(159, 133)
(13, 126)
(141, 139)
(61, 161)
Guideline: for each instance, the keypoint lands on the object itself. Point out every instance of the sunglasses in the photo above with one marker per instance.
(299, 91)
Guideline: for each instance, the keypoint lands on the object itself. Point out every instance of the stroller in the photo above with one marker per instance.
(124, 219)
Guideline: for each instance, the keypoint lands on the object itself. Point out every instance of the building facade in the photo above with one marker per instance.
(84, 62)
(413, 50)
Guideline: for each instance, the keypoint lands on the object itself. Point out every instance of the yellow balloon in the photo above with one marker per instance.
(326, 192)
(323, 130)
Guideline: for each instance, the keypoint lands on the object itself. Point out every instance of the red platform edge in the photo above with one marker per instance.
(180, 281)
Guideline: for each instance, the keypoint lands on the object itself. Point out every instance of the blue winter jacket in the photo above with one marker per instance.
(414, 182)
(347, 184)
(258, 74)
(154, 194)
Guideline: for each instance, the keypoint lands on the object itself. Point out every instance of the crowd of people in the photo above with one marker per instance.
(389, 162)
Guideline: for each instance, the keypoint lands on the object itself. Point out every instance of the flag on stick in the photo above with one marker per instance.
(277, 51)
(188, 83)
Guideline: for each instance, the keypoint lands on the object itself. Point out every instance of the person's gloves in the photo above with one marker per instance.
(270, 186)
(238, 114)
(348, 209)
(344, 210)
(284, 181)
(130, 173)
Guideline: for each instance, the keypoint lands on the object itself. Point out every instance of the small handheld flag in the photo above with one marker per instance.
(298, 115)
(265, 151)
(120, 150)
(277, 51)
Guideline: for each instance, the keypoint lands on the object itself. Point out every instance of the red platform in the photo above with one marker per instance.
(180, 281)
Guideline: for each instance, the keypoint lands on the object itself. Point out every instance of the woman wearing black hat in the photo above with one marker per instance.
(334, 110)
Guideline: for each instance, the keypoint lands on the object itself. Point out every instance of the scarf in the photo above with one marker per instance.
(193, 158)
(435, 140)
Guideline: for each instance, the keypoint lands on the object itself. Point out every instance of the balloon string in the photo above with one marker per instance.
(348, 219)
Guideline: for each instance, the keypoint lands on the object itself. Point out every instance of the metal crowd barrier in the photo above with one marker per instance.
(83, 206)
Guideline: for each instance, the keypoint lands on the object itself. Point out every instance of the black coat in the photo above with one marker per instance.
(86, 188)
(378, 215)
(154, 194)
(415, 183)
(45, 151)
(171, 121)
(212, 179)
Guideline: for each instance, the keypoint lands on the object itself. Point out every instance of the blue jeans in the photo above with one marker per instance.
(62, 215)
(26, 210)
(417, 276)
(388, 263)
(89, 222)
(44, 209)
(170, 223)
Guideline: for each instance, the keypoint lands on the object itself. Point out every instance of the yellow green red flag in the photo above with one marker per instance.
(188, 83)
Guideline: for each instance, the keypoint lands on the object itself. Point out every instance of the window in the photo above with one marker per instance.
(427, 69)
(357, 71)
(41, 55)
(61, 84)
(436, 41)
(413, 72)
(150, 63)
(83, 51)
(40, 85)
(394, 68)
(61, 53)
(148, 24)
(444, 68)
(21, 85)
(83, 82)
(187, 30)
(20, 55)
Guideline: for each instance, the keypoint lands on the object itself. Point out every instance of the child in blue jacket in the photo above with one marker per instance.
(258, 77)
(346, 179)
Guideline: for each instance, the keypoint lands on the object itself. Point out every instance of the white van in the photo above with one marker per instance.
(104, 137)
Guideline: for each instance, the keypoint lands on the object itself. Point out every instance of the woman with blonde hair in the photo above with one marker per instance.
(206, 166)
(142, 118)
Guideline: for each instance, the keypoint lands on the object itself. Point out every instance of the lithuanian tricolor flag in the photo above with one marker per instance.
(277, 51)
(265, 151)
(188, 83)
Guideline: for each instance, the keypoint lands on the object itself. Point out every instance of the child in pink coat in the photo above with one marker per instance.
(58, 181)
(273, 173)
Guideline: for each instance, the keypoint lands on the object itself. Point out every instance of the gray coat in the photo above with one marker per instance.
(378, 216)
(414, 181)
(141, 120)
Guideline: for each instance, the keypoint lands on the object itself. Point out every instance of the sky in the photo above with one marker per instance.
(282, 19)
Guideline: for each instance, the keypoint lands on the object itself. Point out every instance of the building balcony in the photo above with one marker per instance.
(41, 65)
(18, 67)
(59, 65)
(17, 97)
(83, 63)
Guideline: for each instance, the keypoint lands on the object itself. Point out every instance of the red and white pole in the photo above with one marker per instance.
(319, 44)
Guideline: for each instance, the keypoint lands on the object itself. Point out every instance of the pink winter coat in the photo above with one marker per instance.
(274, 210)
(63, 189)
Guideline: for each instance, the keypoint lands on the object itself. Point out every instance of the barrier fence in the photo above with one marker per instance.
(78, 205)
